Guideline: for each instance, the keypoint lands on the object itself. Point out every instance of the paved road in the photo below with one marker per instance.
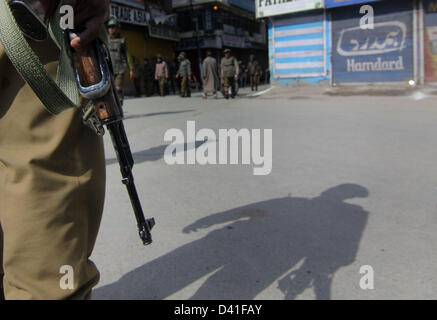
(353, 183)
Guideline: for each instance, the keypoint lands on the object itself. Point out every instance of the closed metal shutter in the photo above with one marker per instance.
(299, 46)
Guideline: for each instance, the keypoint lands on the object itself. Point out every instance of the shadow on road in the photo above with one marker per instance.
(154, 153)
(294, 243)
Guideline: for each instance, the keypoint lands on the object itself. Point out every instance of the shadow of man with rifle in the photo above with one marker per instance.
(295, 243)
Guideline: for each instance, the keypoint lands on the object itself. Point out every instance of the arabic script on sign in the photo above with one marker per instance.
(385, 37)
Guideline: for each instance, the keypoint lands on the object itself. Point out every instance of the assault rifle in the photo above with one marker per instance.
(94, 78)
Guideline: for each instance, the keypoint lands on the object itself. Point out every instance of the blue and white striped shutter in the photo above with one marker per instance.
(299, 46)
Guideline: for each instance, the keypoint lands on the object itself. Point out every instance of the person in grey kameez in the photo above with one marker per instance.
(210, 75)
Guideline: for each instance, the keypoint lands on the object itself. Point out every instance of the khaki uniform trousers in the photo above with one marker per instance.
(52, 184)
(254, 82)
(185, 87)
(229, 82)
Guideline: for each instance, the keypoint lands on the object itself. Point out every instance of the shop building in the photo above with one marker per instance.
(299, 41)
(163, 31)
(350, 42)
(149, 27)
(134, 24)
(216, 25)
(377, 50)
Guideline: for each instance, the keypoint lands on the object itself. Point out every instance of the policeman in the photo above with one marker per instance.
(52, 180)
(254, 72)
(120, 56)
(185, 74)
(229, 72)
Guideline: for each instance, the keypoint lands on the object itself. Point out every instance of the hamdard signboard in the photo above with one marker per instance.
(382, 53)
(268, 8)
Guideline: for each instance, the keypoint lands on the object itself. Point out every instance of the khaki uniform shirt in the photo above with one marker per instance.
(254, 67)
(185, 68)
(229, 67)
(120, 56)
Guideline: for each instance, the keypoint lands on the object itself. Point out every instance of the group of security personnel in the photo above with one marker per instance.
(161, 72)
(122, 61)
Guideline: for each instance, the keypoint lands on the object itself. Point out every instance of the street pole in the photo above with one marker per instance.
(199, 55)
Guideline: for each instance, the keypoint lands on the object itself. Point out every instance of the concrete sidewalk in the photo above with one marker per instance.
(318, 92)
(381, 90)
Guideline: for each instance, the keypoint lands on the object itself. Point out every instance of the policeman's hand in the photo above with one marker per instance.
(89, 14)
(189, 78)
(177, 76)
(131, 74)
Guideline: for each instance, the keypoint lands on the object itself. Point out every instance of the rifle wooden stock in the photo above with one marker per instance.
(107, 108)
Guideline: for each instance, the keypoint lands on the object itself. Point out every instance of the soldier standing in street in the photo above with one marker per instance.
(210, 76)
(185, 74)
(254, 71)
(52, 175)
(148, 76)
(120, 57)
(229, 72)
(161, 73)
